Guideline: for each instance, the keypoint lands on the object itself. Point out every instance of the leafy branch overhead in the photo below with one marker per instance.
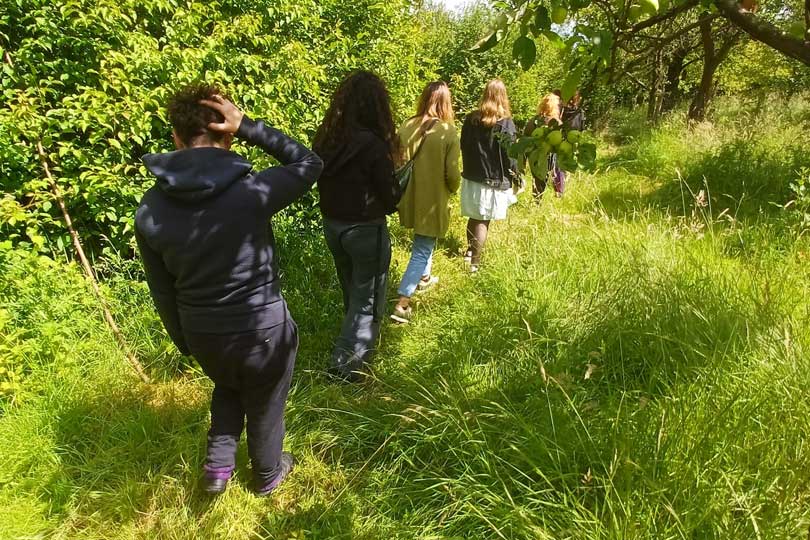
(592, 32)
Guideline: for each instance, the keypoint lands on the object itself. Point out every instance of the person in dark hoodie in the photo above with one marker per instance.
(207, 246)
(359, 146)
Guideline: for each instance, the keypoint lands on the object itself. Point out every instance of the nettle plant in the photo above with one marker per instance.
(801, 193)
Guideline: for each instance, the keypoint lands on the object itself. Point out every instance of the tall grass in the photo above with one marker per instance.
(631, 362)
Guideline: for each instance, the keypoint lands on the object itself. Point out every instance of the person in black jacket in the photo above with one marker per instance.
(359, 145)
(488, 171)
(207, 246)
(572, 115)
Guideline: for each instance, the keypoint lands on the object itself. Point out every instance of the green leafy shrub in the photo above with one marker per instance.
(90, 79)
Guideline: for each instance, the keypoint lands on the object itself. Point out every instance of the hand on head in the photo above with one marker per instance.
(232, 115)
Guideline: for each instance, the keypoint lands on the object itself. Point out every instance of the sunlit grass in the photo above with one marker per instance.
(631, 362)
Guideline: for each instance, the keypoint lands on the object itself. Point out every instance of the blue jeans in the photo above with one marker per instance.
(362, 253)
(419, 265)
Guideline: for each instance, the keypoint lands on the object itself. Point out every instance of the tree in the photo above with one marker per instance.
(602, 31)
(713, 56)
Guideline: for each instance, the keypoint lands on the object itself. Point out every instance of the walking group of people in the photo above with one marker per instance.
(208, 249)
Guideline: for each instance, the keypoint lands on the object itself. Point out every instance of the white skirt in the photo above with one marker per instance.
(483, 202)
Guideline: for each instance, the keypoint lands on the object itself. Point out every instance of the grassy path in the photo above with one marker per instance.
(628, 364)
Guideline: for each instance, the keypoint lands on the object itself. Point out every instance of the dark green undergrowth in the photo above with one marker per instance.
(631, 362)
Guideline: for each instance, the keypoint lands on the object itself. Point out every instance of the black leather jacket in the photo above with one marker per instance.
(484, 155)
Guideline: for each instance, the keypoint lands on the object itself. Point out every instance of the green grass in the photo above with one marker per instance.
(629, 363)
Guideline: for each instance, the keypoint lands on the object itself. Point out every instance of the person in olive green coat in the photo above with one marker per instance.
(436, 175)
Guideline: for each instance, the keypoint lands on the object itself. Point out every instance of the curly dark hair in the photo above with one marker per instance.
(361, 100)
(190, 119)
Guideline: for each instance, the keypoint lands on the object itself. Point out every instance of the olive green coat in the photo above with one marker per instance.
(436, 175)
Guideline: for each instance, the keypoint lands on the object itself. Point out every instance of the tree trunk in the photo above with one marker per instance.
(655, 95)
(703, 95)
(712, 58)
(672, 86)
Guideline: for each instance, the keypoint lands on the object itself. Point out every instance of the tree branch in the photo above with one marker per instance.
(764, 31)
(635, 80)
(652, 21)
(806, 18)
(88, 270)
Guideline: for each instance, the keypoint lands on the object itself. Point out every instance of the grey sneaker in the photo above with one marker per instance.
(401, 316)
(427, 285)
(286, 465)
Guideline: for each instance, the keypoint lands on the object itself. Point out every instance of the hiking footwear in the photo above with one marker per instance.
(341, 376)
(215, 479)
(468, 256)
(402, 316)
(428, 284)
(474, 269)
(285, 466)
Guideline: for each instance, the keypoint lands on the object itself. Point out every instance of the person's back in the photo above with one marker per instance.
(485, 159)
(488, 173)
(573, 118)
(207, 246)
(424, 205)
(357, 191)
(356, 182)
(208, 217)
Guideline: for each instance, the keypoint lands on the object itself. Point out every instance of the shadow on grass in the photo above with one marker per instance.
(323, 521)
(119, 450)
(462, 420)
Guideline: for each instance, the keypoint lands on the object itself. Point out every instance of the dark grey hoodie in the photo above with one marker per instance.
(205, 237)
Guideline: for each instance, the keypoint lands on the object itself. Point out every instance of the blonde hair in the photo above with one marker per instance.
(550, 107)
(435, 102)
(494, 103)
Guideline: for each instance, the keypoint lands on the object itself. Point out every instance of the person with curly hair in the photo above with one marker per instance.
(358, 143)
(204, 234)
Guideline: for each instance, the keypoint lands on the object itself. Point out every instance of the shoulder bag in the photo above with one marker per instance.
(405, 173)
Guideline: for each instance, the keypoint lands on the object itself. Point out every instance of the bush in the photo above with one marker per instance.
(90, 80)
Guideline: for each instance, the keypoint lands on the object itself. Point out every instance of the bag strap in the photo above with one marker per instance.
(424, 136)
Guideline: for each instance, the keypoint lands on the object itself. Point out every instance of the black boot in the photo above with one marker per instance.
(285, 466)
(215, 480)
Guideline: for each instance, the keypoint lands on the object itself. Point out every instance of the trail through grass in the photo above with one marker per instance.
(631, 362)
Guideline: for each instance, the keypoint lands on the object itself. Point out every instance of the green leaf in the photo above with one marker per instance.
(525, 51)
(487, 42)
(555, 39)
(586, 155)
(567, 163)
(521, 146)
(569, 87)
(542, 19)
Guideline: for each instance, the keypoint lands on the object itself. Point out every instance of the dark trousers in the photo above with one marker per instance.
(251, 373)
(362, 253)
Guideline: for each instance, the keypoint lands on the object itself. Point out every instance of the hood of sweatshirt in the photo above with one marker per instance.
(194, 174)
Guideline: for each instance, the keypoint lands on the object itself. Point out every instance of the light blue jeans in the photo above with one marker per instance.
(419, 265)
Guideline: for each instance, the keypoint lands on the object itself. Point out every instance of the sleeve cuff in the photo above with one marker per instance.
(246, 127)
